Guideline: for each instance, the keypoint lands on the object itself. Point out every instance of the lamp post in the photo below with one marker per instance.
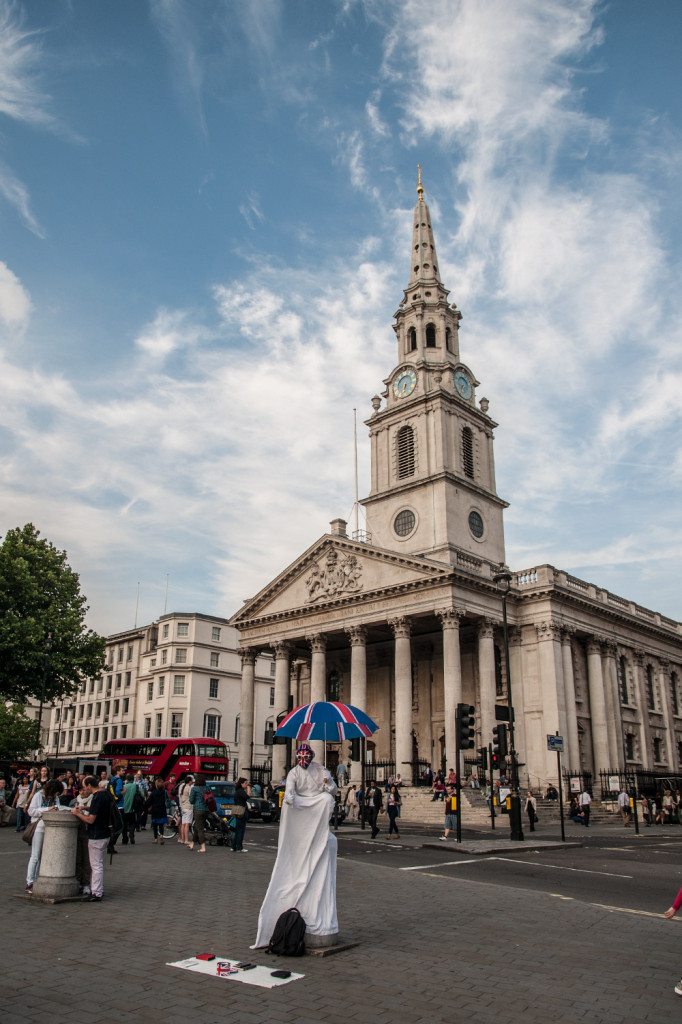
(504, 577)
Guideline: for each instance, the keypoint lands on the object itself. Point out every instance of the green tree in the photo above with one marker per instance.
(46, 651)
(17, 732)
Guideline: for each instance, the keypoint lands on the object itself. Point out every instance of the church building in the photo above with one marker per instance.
(404, 619)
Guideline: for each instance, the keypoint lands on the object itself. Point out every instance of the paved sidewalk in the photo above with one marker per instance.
(433, 950)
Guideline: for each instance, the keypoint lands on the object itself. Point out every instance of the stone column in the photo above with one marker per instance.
(571, 757)
(646, 754)
(57, 879)
(613, 714)
(279, 750)
(551, 686)
(668, 714)
(515, 672)
(452, 680)
(403, 696)
(318, 681)
(248, 656)
(358, 683)
(595, 683)
(486, 676)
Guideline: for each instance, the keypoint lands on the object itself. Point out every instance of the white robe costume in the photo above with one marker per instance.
(304, 875)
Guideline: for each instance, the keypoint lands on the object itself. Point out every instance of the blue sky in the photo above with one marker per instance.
(204, 233)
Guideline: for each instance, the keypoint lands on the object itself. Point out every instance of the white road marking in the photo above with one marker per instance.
(561, 867)
(615, 910)
(442, 864)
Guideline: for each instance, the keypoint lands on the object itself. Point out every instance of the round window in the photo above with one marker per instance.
(404, 523)
(476, 524)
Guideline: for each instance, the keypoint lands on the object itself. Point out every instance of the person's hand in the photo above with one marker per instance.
(670, 912)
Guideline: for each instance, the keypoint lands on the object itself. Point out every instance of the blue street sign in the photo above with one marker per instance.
(555, 743)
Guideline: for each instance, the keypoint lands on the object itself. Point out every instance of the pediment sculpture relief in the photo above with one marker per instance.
(334, 575)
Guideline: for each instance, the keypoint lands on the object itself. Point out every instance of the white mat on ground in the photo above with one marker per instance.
(223, 967)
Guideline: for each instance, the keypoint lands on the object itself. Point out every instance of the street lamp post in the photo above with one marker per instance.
(504, 576)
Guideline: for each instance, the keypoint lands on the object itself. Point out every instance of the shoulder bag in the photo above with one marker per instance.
(29, 831)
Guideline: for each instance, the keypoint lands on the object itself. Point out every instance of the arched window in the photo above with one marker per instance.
(448, 339)
(468, 452)
(430, 335)
(674, 692)
(623, 679)
(412, 340)
(650, 693)
(405, 451)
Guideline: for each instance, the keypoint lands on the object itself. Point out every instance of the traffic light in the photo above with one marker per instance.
(483, 757)
(500, 743)
(355, 750)
(465, 726)
(495, 762)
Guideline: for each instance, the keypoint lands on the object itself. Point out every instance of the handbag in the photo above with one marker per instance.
(27, 834)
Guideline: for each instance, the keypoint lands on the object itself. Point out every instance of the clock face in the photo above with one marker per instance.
(405, 383)
(463, 384)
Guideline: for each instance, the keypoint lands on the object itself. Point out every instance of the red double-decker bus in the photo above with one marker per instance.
(165, 757)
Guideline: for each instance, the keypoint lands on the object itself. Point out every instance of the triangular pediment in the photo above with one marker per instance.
(339, 570)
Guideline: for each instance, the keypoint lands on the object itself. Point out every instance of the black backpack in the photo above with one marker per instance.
(288, 938)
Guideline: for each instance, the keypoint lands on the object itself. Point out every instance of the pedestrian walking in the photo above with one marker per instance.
(197, 799)
(241, 794)
(372, 805)
(584, 800)
(46, 798)
(20, 803)
(531, 810)
(186, 810)
(97, 817)
(130, 795)
(350, 803)
(451, 812)
(141, 815)
(670, 913)
(624, 806)
(157, 805)
(341, 774)
(393, 803)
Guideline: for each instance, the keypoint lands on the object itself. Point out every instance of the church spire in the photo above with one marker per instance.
(424, 262)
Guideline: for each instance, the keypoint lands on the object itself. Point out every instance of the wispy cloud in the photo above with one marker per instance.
(15, 304)
(251, 210)
(16, 194)
(175, 20)
(21, 94)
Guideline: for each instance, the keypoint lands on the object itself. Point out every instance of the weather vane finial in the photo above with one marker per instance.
(420, 187)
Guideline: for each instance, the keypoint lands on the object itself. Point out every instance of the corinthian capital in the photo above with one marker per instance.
(357, 635)
(450, 617)
(248, 655)
(486, 629)
(282, 649)
(549, 630)
(318, 642)
(400, 626)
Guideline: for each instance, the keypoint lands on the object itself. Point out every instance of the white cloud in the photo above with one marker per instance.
(169, 330)
(251, 210)
(15, 303)
(21, 95)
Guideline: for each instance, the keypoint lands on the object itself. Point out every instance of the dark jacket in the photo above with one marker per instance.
(156, 803)
(373, 798)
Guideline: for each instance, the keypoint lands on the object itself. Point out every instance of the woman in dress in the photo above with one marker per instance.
(393, 810)
(186, 811)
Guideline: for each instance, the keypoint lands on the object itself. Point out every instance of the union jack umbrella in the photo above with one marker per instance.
(326, 720)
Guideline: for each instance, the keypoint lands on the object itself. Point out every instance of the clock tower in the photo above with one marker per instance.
(433, 471)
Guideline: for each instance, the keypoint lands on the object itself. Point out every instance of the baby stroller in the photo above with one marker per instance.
(218, 830)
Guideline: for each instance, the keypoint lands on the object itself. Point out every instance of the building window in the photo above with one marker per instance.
(468, 452)
(129, 678)
(430, 335)
(55, 739)
(89, 713)
(70, 744)
(117, 706)
(105, 735)
(79, 737)
(120, 654)
(126, 705)
(178, 686)
(658, 750)
(152, 662)
(213, 690)
(674, 692)
(405, 452)
(164, 631)
(107, 708)
(100, 685)
(147, 728)
(623, 679)
(236, 729)
(215, 659)
(273, 668)
(95, 736)
(404, 523)
(150, 690)
(650, 692)
(269, 732)
(183, 629)
(162, 685)
(92, 686)
(272, 696)
(448, 339)
(124, 731)
(98, 709)
(109, 681)
(176, 724)
(81, 710)
(629, 746)
(159, 721)
(212, 726)
(164, 656)
(87, 737)
(215, 634)
(412, 340)
(114, 732)
(118, 680)
(181, 656)
(129, 656)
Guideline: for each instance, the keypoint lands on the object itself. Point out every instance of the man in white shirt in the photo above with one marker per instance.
(624, 806)
(585, 800)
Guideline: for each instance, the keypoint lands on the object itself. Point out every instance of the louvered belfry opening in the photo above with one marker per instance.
(468, 452)
(405, 445)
